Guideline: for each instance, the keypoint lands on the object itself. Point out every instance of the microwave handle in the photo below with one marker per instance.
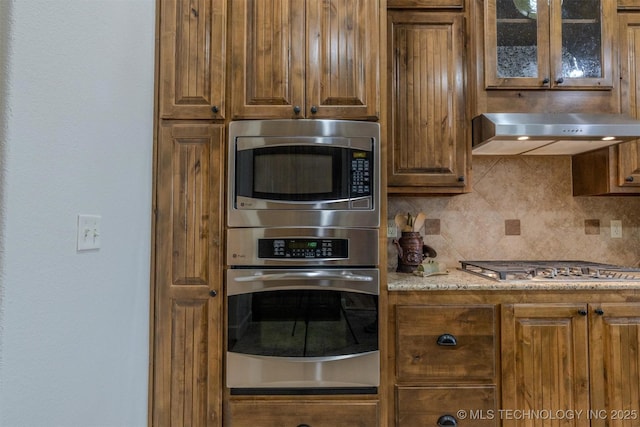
(344, 275)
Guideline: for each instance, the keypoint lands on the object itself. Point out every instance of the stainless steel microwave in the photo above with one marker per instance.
(303, 173)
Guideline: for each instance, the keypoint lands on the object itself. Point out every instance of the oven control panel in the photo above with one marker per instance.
(303, 248)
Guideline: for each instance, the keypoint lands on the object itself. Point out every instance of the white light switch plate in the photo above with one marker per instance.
(89, 232)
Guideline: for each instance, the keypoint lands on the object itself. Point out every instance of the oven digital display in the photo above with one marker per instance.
(303, 248)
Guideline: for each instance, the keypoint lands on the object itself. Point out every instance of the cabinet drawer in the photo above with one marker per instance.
(426, 4)
(445, 342)
(310, 413)
(425, 406)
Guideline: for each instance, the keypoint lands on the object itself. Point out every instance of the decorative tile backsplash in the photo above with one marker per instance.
(522, 208)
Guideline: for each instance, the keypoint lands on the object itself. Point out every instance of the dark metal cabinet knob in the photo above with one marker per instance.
(461, 178)
(297, 109)
(447, 420)
(314, 109)
(599, 311)
(215, 109)
(213, 293)
(582, 312)
(447, 340)
(560, 80)
(629, 179)
(545, 81)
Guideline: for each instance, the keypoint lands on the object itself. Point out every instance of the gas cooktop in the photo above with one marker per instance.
(551, 270)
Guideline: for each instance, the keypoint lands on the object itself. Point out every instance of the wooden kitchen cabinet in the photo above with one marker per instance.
(615, 363)
(426, 4)
(559, 44)
(445, 361)
(192, 58)
(573, 357)
(305, 59)
(187, 296)
(545, 359)
(427, 139)
(616, 170)
(448, 343)
(312, 413)
(579, 355)
(440, 406)
(628, 4)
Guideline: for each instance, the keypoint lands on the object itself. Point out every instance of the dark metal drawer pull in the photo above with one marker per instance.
(447, 420)
(447, 340)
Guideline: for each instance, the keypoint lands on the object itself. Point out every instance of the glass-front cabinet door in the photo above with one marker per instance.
(549, 44)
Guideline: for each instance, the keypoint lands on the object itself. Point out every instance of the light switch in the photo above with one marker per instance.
(88, 232)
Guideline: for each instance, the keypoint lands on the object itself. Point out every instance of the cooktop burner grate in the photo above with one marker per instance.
(551, 270)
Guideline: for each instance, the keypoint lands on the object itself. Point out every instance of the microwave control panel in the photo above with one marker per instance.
(360, 173)
(302, 248)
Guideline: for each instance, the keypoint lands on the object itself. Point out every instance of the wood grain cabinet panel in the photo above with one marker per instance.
(268, 48)
(427, 146)
(305, 59)
(186, 371)
(444, 406)
(616, 170)
(560, 44)
(553, 362)
(300, 413)
(615, 364)
(628, 4)
(545, 364)
(426, 4)
(629, 152)
(192, 59)
(449, 343)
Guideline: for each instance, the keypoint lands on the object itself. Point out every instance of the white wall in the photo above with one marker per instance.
(76, 120)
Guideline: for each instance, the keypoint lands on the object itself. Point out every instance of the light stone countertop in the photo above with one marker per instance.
(462, 280)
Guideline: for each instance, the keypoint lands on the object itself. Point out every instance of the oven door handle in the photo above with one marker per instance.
(344, 275)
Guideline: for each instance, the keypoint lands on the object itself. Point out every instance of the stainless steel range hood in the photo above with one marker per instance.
(549, 134)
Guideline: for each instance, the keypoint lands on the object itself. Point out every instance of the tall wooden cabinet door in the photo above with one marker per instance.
(191, 81)
(343, 59)
(545, 361)
(267, 72)
(427, 144)
(615, 364)
(629, 152)
(187, 302)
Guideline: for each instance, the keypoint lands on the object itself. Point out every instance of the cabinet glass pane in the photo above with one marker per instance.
(581, 39)
(517, 38)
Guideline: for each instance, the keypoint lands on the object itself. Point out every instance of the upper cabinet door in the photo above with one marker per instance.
(343, 59)
(629, 152)
(549, 44)
(192, 59)
(305, 59)
(268, 58)
(427, 145)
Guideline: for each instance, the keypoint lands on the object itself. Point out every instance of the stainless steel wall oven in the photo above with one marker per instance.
(305, 321)
(302, 277)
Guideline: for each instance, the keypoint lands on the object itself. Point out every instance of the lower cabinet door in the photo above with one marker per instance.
(473, 406)
(302, 413)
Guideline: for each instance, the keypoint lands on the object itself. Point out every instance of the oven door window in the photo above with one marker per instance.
(293, 173)
(303, 323)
